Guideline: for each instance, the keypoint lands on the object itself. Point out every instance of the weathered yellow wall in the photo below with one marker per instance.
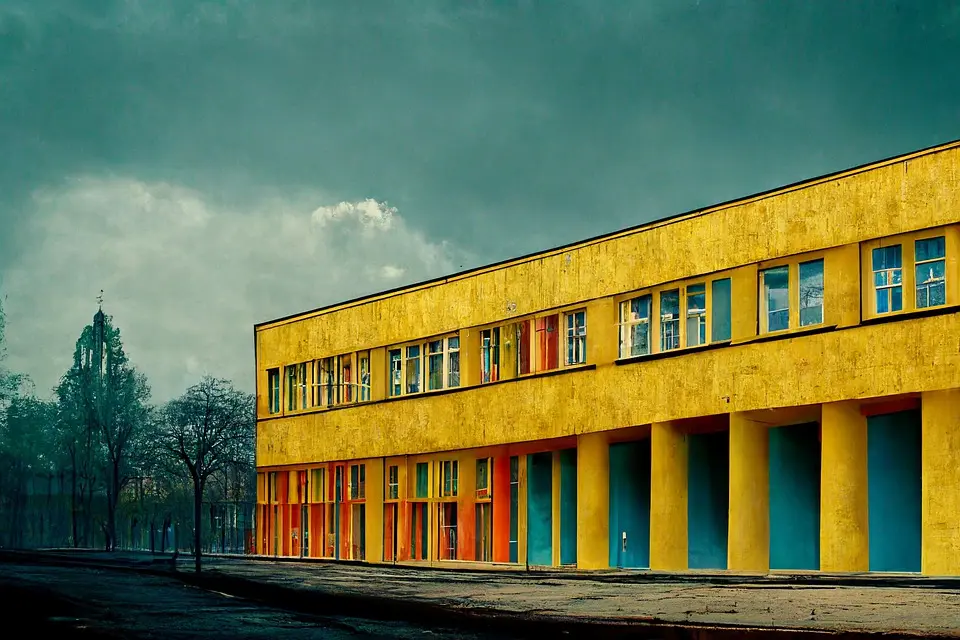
(940, 505)
(668, 497)
(844, 526)
(804, 370)
(911, 193)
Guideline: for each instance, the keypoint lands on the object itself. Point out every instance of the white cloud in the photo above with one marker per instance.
(186, 279)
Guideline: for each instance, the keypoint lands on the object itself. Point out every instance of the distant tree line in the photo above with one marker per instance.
(98, 465)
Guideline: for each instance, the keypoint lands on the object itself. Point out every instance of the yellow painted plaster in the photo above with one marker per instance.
(668, 497)
(844, 524)
(940, 504)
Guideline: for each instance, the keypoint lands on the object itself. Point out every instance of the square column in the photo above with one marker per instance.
(373, 491)
(593, 501)
(940, 478)
(844, 514)
(749, 529)
(668, 497)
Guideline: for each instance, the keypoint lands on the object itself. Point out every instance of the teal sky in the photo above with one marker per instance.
(215, 164)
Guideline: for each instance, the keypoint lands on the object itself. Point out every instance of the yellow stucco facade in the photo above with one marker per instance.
(714, 391)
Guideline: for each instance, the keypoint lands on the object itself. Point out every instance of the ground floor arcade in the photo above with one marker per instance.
(846, 486)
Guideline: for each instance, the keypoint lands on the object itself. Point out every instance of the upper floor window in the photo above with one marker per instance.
(449, 477)
(363, 386)
(635, 326)
(888, 278)
(318, 485)
(483, 478)
(811, 292)
(930, 267)
(696, 314)
(670, 320)
(720, 317)
(791, 295)
(393, 482)
(576, 337)
(538, 344)
(297, 386)
(775, 284)
(548, 342)
(429, 366)
(423, 480)
(273, 385)
(358, 481)
(490, 355)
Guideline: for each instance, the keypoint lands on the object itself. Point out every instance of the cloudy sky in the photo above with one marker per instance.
(215, 164)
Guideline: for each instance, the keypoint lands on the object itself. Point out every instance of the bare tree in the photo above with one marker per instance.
(207, 429)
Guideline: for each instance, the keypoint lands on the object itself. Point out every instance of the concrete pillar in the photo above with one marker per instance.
(668, 497)
(940, 502)
(844, 524)
(749, 532)
(593, 501)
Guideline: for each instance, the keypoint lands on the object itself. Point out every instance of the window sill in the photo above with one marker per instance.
(787, 334)
(438, 392)
(673, 353)
(926, 312)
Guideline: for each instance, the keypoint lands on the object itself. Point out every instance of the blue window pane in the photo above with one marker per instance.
(720, 329)
(882, 301)
(811, 293)
(887, 258)
(777, 295)
(896, 295)
(931, 249)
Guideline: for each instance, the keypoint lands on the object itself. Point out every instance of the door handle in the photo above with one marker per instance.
(624, 540)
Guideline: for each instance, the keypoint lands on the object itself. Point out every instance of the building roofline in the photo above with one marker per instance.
(874, 164)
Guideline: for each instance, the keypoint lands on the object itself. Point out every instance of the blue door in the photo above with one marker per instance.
(630, 504)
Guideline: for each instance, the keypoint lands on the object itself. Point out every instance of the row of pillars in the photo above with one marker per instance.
(844, 527)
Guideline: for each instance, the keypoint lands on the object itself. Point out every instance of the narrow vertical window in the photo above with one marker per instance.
(423, 480)
(696, 315)
(291, 387)
(776, 298)
(811, 292)
(577, 337)
(523, 347)
(354, 481)
(396, 373)
(490, 355)
(720, 327)
(435, 365)
(670, 320)
(346, 380)
(364, 377)
(453, 364)
(273, 384)
(362, 491)
(412, 369)
(483, 478)
(888, 278)
(302, 384)
(635, 326)
(930, 261)
(548, 343)
(393, 483)
(449, 472)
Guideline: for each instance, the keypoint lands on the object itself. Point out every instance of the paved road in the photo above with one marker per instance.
(751, 602)
(78, 602)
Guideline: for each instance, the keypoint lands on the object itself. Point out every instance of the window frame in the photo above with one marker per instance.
(448, 349)
(792, 264)
(655, 319)
(274, 391)
(571, 334)
(453, 464)
(908, 265)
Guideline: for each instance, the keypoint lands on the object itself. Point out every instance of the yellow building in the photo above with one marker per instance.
(767, 384)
